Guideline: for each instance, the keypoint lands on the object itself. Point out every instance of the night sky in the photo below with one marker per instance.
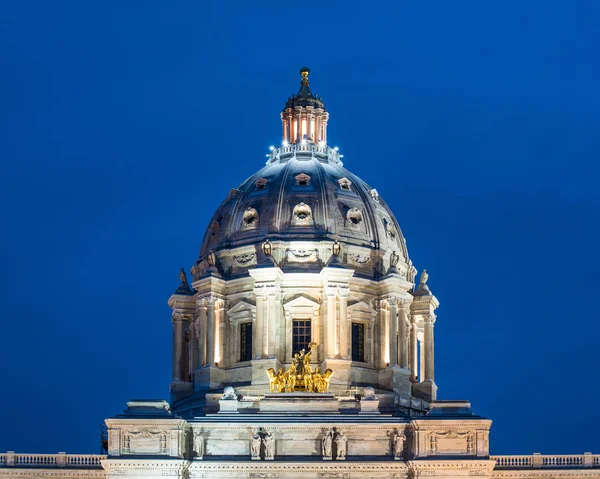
(123, 125)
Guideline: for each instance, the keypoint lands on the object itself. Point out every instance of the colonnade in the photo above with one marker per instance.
(268, 317)
(304, 122)
(405, 339)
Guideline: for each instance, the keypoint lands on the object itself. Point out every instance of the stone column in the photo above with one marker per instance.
(177, 347)
(344, 323)
(370, 352)
(193, 345)
(298, 126)
(429, 356)
(381, 342)
(422, 361)
(273, 322)
(258, 330)
(210, 332)
(402, 334)
(413, 351)
(201, 330)
(330, 324)
(393, 330)
(220, 333)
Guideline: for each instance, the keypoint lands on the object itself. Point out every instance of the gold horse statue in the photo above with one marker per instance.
(300, 376)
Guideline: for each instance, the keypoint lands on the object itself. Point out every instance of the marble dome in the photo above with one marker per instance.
(303, 201)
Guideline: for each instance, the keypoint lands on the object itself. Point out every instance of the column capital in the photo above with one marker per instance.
(207, 298)
(178, 316)
(343, 291)
(429, 318)
(404, 302)
(330, 291)
(392, 300)
(202, 303)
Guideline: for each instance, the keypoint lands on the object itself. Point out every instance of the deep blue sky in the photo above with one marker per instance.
(122, 128)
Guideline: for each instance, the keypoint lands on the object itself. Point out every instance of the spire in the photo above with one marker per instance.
(304, 116)
(304, 91)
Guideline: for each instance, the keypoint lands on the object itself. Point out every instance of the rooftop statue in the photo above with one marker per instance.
(300, 376)
(182, 276)
(424, 277)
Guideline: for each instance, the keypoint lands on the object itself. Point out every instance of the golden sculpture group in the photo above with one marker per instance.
(300, 376)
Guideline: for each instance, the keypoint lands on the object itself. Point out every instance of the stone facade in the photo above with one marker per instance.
(302, 260)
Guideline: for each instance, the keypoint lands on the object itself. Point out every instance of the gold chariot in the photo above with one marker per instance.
(300, 376)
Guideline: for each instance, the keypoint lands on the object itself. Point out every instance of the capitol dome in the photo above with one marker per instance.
(302, 259)
(304, 193)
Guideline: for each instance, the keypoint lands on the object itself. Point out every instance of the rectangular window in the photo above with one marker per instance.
(301, 336)
(358, 342)
(245, 341)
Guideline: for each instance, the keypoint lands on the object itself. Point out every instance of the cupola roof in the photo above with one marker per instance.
(304, 97)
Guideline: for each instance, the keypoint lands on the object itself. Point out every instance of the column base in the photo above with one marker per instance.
(259, 371)
(341, 371)
(208, 378)
(180, 389)
(426, 390)
(396, 378)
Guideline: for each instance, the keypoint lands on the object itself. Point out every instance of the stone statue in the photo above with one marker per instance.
(255, 443)
(341, 441)
(198, 445)
(229, 393)
(394, 258)
(269, 441)
(369, 393)
(267, 248)
(398, 443)
(424, 277)
(182, 276)
(327, 443)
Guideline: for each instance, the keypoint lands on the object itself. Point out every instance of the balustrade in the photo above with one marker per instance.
(547, 461)
(79, 461)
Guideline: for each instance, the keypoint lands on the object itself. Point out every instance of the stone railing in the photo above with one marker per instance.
(539, 461)
(76, 461)
(303, 148)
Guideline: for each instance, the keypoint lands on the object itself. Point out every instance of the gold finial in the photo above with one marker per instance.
(304, 71)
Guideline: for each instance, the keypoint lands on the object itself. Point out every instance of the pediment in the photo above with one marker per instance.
(362, 307)
(301, 302)
(241, 306)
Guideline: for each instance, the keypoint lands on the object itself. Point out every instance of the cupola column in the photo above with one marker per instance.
(403, 312)
(393, 329)
(201, 330)
(413, 351)
(210, 330)
(383, 344)
(330, 323)
(274, 320)
(429, 321)
(178, 319)
(258, 333)
(344, 338)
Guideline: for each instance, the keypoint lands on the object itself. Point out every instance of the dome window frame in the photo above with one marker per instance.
(250, 219)
(302, 215)
(345, 184)
(302, 179)
(261, 183)
(354, 218)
